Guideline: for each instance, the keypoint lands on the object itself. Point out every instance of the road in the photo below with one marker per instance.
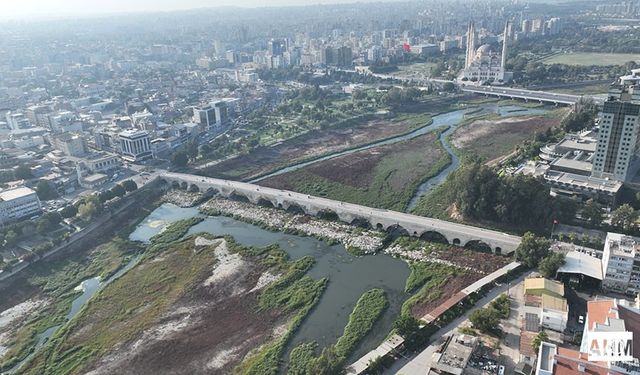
(457, 234)
(420, 362)
(506, 92)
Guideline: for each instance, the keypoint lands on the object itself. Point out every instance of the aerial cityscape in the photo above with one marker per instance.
(315, 188)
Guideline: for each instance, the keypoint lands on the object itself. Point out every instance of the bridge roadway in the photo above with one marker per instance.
(456, 234)
(513, 93)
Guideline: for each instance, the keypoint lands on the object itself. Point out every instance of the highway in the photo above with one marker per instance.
(415, 225)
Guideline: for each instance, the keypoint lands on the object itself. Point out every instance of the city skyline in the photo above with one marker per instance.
(60, 8)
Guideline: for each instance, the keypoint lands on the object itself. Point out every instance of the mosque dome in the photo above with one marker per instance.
(484, 49)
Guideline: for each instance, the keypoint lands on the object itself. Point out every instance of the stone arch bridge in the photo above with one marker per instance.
(418, 226)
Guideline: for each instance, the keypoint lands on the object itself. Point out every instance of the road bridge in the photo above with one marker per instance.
(513, 93)
(381, 219)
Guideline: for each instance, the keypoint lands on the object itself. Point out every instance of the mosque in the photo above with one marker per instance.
(484, 64)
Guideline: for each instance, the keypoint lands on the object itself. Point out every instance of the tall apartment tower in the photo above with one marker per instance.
(616, 155)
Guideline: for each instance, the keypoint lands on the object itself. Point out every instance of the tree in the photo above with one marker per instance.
(486, 320)
(11, 238)
(87, 210)
(118, 191)
(23, 172)
(406, 325)
(327, 364)
(538, 339)
(69, 211)
(129, 185)
(532, 249)
(550, 264)
(593, 212)
(624, 217)
(179, 159)
(45, 191)
(47, 222)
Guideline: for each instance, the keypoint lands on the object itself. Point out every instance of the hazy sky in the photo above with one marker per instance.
(28, 8)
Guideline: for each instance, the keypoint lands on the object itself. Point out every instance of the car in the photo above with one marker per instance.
(581, 319)
(501, 370)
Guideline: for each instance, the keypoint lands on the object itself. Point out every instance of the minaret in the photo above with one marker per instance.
(505, 39)
(471, 44)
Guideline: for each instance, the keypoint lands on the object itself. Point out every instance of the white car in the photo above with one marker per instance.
(501, 370)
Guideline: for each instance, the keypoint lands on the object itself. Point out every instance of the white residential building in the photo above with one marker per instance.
(621, 264)
(555, 313)
(18, 203)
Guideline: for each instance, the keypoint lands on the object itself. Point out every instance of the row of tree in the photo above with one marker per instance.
(481, 194)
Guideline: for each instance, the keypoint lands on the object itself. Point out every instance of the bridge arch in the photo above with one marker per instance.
(295, 208)
(434, 236)
(478, 245)
(456, 241)
(239, 197)
(327, 214)
(397, 230)
(193, 188)
(265, 202)
(361, 223)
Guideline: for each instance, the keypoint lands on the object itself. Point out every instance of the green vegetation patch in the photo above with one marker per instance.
(300, 357)
(367, 311)
(174, 231)
(432, 276)
(591, 58)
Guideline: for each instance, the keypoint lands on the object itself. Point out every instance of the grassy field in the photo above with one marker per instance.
(384, 177)
(492, 137)
(588, 58)
(592, 89)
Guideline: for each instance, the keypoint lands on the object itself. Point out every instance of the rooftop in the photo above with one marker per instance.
(581, 263)
(585, 182)
(545, 285)
(554, 303)
(20, 192)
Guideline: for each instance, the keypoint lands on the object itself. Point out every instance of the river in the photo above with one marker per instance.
(349, 276)
(451, 119)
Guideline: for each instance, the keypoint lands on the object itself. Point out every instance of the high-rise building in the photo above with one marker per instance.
(327, 56)
(135, 145)
(277, 47)
(221, 112)
(205, 116)
(343, 56)
(616, 154)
